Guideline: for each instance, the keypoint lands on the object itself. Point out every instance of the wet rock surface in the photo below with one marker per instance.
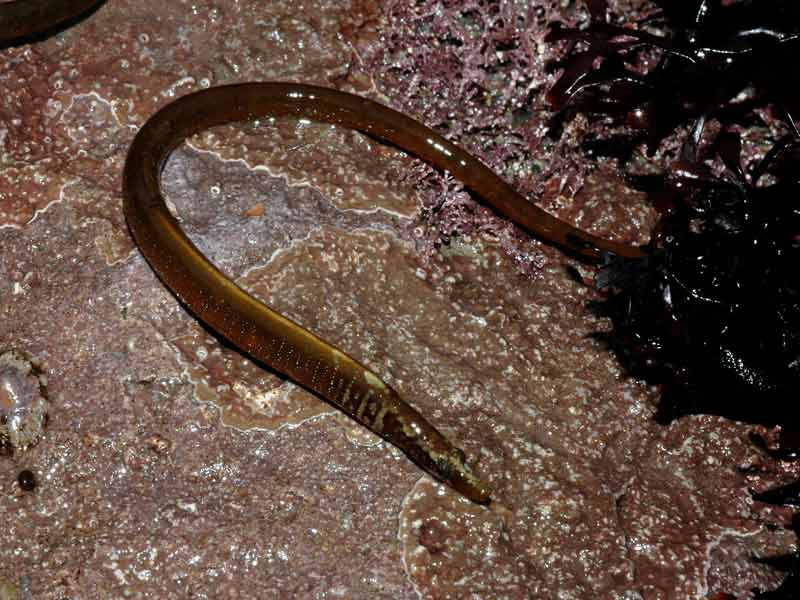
(172, 466)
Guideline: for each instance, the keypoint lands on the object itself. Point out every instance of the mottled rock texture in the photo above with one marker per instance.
(173, 467)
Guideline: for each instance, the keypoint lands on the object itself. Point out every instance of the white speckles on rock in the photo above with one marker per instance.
(23, 401)
(454, 549)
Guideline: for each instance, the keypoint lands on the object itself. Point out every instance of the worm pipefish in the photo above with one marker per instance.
(265, 334)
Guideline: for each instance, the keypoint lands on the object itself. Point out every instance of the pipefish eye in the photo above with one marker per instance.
(451, 464)
(444, 466)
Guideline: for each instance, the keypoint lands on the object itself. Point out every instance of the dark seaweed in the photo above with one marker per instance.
(713, 312)
(710, 59)
(788, 450)
(788, 494)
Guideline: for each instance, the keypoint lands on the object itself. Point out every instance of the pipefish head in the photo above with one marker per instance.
(452, 469)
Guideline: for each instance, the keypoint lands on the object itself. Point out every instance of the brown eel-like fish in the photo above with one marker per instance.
(25, 18)
(269, 336)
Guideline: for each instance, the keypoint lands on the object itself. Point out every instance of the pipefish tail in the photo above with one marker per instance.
(265, 334)
(25, 18)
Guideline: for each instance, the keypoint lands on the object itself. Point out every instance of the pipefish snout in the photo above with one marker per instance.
(269, 336)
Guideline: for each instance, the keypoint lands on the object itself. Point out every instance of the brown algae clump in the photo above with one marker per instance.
(23, 401)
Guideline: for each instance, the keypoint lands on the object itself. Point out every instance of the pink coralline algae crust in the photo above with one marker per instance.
(318, 155)
(478, 72)
(219, 197)
(601, 499)
(174, 467)
(248, 395)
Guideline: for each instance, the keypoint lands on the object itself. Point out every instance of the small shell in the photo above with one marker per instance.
(23, 401)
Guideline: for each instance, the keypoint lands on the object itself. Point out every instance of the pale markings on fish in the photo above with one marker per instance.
(377, 424)
(280, 349)
(363, 405)
(315, 373)
(346, 395)
(374, 380)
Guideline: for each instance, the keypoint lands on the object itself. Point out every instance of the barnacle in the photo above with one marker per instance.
(689, 60)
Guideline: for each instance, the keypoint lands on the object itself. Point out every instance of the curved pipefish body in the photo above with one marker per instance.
(24, 18)
(272, 338)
